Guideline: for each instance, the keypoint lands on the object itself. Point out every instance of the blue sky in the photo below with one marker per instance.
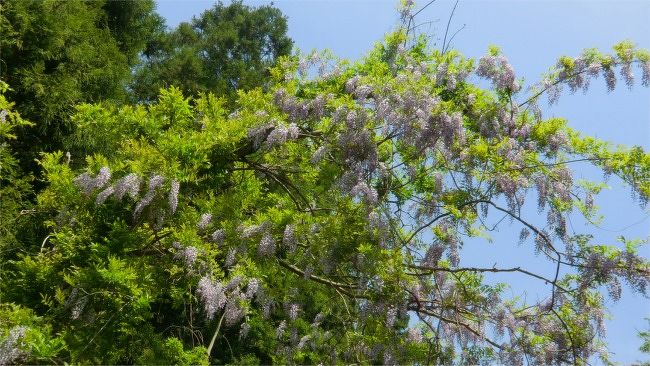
(532, 34)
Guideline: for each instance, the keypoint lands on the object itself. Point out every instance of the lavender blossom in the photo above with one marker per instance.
(266, 246)
(218, 236)
(414, 335)
(433, 255)
(102, 177)
(188, 254)
(205, 220)
(243, 331)
(143, 203)
(267, 308)
(129, 184)
(173, 196)
(319, 154)
(277, 137)
(369, 194)
(499, 70)
(523, 235)
(154, 182)
(233, 312)
(103, 196)
(293, 131)
(293, 311)
(303, 341)
(610, 78)
(212, 295)
(252, 288)
(351, 84)
(282, 327)
(614, 289)
(628, 76)
(88, 184)
(85, 182)
(231, 258)
(248, 232)
(10, 348)
(645, 76)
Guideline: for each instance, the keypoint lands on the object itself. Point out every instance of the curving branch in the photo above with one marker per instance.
(419, 309)
(482, 270)
(336, 285)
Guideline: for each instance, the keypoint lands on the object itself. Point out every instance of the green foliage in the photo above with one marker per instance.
(56, 54)
(225, 49)
(298, 219)
(14, 184)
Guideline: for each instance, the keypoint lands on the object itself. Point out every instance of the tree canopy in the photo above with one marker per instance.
(318, 218)
(56, 54)
(227, 48)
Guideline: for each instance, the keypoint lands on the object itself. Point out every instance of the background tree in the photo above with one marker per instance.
(227, 48)
(56, 54)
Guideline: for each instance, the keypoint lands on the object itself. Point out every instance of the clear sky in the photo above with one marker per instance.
(532, 34)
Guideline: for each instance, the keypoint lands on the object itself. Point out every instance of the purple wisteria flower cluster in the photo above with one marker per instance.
(129, 185)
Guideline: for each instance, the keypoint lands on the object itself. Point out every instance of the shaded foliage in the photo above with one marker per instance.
(56, 54)
(225, 49)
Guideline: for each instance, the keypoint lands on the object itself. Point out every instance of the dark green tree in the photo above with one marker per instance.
(227, 48)
(56, 54)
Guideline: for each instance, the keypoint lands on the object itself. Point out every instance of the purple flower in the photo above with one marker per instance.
(610, 78)
(129, 184)
(88, 184)
(351, 84)
(645, 76)
(173, 196)
(205, 220)
(433, 254)
(10, 348)
(213, 296)
(218, 236)
(289, 239)
(231, 258)
(319, 154)
(281, 329)
(103, 196)
(414, 335)
(523, 235)
(250, 231)
(628, 76)
(499, 71)
(303, 341)
(266, 246)
(293, 311)
(362, 189)
(156, 181)
(233, 312)
(252, 288)
(102, 177)
(143, 203)
(188, 254)
(243, 331)
(293, 131)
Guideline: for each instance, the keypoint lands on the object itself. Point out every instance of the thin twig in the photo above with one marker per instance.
(447, 28)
